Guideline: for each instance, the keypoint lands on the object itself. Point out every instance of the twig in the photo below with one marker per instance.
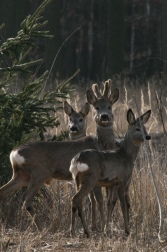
(159, 106)
(157, 58)
(57, 56)
(155, 186)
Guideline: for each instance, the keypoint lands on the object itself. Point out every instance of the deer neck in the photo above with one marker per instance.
(129, 148)
(105, 136)
(75, 136)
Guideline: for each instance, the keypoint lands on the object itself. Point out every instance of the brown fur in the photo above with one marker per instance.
(47, 160)
(109, 168)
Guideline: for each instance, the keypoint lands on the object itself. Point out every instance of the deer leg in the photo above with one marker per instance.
(33, 187)
(127, 198)
(76, 203)
(99, 198)
(121, 195)
(93, 211)
(112, 198)
(80, 213)
(85, 188)
(13, 185)
(127, 203)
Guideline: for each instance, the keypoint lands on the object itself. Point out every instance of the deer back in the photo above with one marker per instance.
(50, 159)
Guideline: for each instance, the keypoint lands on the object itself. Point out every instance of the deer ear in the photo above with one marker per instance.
(114, 96)
(145, 116)
(91, 97)
(67, 108)
(130, 117)
(85, 109)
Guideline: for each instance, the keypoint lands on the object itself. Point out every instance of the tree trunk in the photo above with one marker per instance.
(51, 47)
(115, 50)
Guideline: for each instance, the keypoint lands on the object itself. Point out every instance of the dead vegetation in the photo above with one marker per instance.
(17, 232)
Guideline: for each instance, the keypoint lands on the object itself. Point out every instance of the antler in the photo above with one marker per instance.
(96, 91)
(106, 89)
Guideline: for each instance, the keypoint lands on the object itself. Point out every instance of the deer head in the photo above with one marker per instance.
(77, 122)
(102, 103)
(137, 131)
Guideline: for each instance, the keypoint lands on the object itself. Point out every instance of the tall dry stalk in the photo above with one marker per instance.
(149, 96)
(160, 111)
(142, 102)
(161, 221)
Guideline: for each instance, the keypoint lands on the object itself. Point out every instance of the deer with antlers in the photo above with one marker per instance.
(111, 169)
(37, 163)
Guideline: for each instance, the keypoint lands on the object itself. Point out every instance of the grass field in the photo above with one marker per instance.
(17, 232)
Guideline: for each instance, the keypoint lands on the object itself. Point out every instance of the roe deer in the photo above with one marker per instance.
(108, 168)
(38, 162)
(77, 120)
(106, 139)
(77, 129)
(108, 144)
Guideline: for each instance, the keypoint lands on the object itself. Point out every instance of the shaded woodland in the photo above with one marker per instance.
(112, 37)
(105, 39)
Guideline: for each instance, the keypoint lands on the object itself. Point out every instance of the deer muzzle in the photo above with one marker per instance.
(104, 118)
(148, 137)
(73, 129)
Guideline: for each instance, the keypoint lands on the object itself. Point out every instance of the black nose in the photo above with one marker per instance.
(104, 117)
(73, 128)
(148, 137)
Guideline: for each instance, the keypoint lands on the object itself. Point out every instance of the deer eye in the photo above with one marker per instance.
(109, 107)
(97, 108)
(80, 120)
(137, 129)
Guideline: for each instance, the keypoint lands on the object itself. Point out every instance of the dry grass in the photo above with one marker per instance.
(17, 232)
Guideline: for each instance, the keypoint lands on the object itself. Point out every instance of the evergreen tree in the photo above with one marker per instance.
(27, 112)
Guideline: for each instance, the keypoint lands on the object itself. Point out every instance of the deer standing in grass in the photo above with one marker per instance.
(111, 169)
(39, 162)
(77, 129)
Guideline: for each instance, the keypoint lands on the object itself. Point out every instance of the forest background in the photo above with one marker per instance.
(113, 36)
(121, 40)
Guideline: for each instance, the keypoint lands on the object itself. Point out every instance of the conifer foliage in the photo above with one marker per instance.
(29, 111)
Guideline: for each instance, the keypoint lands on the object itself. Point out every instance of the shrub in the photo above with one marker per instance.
(30, 111)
